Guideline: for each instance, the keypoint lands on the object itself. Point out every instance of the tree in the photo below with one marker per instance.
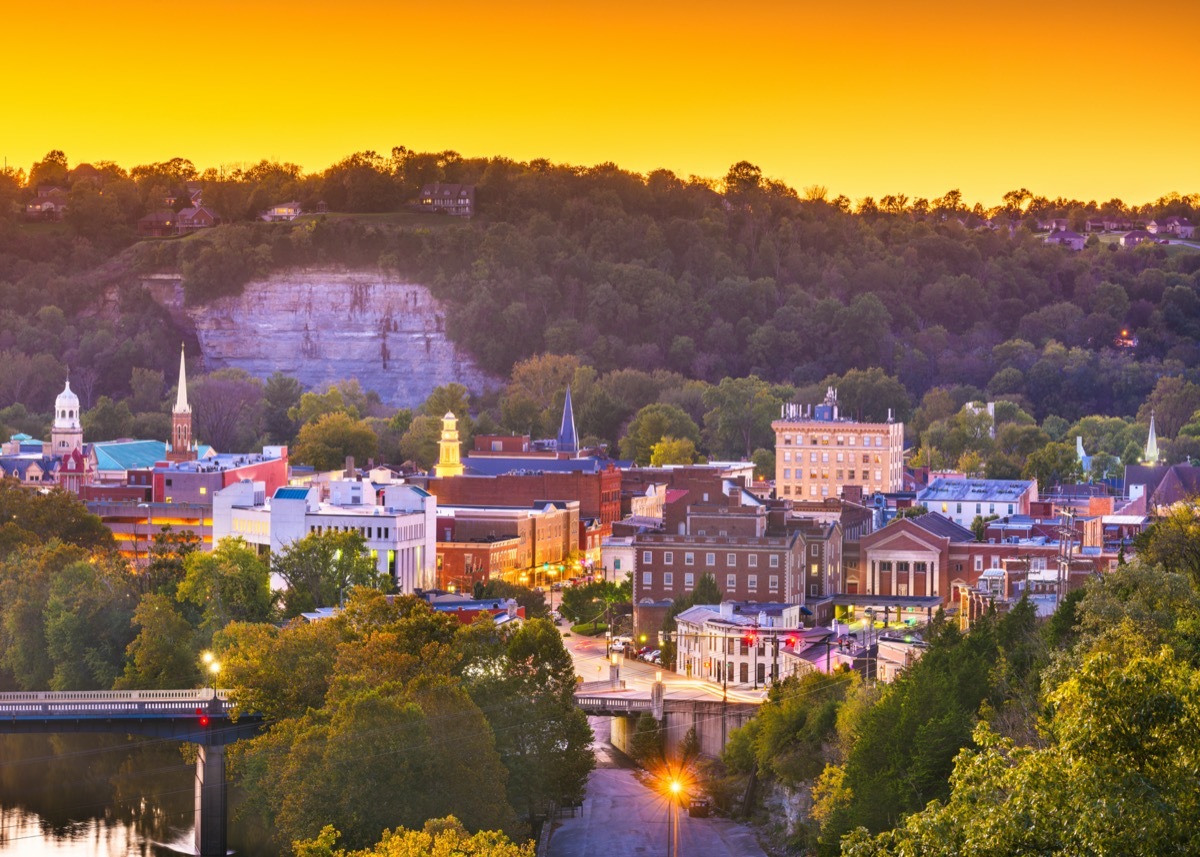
(419, 443)
(328, 441)
(280, 395)
(439, 836)
(168, 551)
(1172, 402)
(739, 415)
(109, 420)
(1173, 542)
(88, 617)
(526, 686)
(321, 569)
(227, 409)
(230, 584)
(163, 654)
(653, 423)
(533, 602)
(671, 450)
(1111, 778)
(1053, 464)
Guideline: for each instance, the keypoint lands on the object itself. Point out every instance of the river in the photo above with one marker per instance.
(102, 796)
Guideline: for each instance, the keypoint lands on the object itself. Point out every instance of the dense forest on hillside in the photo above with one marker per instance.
(669, 278)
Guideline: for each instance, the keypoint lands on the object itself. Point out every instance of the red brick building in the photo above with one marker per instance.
(932, 556)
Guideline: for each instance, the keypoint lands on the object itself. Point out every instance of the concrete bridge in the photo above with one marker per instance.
(198, 716)
(713, 719)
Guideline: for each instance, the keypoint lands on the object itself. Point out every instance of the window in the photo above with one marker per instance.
(774, 561)
(878, 475)
(850, 475)
(812, 589)
(853, 440)
(841, 456)
(731, 560)
(616, 565)
(787, 455)
(730, 582)
(812, 458)
(773, 582)
(812, 490)
(787, 473)
(978, 508)
(814, 569)
(689, 558)
(752, 560)
(647, 557)
(647, 578)
(991, 508)
(957, 509)
(668, 579)
(787, 440)
(839, 475)
(710, 559)
(824, 457)
(979, 563)
(866, 458)
(1010, 508)
(752, 582)
(689, 580)
(668, 558)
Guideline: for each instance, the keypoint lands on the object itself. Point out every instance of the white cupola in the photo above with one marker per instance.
(67, 433)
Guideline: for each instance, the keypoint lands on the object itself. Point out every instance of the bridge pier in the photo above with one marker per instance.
(211, 801)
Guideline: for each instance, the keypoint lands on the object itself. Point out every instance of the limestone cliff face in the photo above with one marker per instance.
(321, 326)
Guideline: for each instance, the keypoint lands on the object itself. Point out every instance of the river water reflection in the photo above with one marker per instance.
(102, 796)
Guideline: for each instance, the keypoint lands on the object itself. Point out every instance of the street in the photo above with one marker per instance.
(622, 817)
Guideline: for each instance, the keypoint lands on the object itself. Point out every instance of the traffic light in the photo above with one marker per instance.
(748, 639)
(203, 717)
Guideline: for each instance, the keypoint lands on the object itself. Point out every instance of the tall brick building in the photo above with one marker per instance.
(755, 553)
(818, 453)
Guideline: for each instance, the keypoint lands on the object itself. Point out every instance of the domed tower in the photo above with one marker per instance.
(67, 433)
(180, 448)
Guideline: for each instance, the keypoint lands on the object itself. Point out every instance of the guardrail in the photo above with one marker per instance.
(111, 703)
(612, 703)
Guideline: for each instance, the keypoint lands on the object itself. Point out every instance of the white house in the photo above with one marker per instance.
(961, 500)
(400, 533)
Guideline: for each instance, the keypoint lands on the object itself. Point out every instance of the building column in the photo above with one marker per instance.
(211, 803)
(912, 576)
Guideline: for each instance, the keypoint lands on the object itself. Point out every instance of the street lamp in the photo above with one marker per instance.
(607, 643)
(212, 666)
(674, 789)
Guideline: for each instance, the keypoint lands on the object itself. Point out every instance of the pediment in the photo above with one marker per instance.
(899, 537)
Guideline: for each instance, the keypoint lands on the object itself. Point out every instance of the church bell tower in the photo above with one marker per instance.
(181, 447)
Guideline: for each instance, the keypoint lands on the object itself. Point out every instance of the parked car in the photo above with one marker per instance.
(699, 807)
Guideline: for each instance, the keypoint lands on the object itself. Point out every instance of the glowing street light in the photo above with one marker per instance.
(213, 666)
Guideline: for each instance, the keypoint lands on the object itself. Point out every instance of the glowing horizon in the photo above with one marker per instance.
(866, 100)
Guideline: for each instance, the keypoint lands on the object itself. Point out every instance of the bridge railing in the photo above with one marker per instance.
(612, 703)
(98, 703)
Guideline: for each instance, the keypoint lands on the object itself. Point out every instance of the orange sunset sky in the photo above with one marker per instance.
(1087, 100)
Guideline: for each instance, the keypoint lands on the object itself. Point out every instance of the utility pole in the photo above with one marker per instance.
(1066, 550)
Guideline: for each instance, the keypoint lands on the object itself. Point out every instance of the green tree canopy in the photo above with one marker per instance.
(321, 569)
(326, 442)
(653, 423)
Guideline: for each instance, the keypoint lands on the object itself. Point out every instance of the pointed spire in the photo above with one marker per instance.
(181, 402)
(568, 440)
(1151, 454)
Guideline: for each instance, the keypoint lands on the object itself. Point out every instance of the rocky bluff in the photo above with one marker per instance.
(321, 326)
